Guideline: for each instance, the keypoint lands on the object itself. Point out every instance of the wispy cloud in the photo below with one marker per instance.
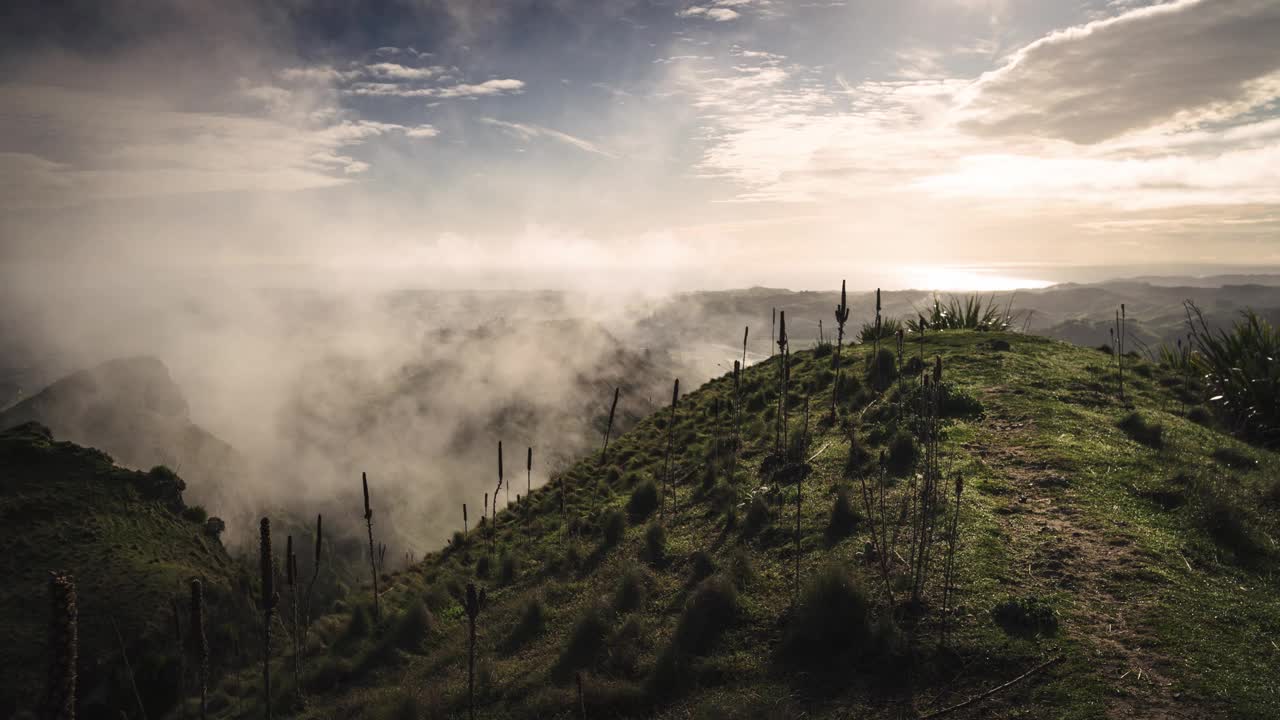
(526, 132)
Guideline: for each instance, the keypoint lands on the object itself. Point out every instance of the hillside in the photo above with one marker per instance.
(131, 546)
(1141, 557)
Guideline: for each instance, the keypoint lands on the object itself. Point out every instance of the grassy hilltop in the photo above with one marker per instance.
(1131, 544)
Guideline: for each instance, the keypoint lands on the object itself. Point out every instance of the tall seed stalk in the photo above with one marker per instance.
(315, 575)
(948, 587)
(60, 689)
(472, 605)
(199, 644)
(737, 420)
(528, 475)
(876, 345)
(608, 428)
(268, 606)
(745, 331)
(291, 579)
(783, 372)
(671, 444)
(493, 528)
(176, 609)
(373, 568)
(842, 316)
(773, 330)
(875, 510)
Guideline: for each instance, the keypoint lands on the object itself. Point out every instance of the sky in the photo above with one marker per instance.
(632, 144)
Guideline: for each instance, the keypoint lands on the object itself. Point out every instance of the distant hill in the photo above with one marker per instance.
(131, 545)
(132, 409)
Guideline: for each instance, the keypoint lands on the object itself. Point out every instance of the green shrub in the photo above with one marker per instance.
(643, 501)
(888, 330)
(1027, 616)
(969, 312)
(195, 513)
(483, 566)
(1141, 431)
(655, 543)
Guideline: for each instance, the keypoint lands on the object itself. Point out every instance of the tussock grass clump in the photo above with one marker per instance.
(531, 624)
(404, 706)
(586, 643)
(1200, 415)
(1028, 616)
(701, 565)
(757, 517)
(741, 570)
(413, 627)
(843, 519)
(1229, 517)
(483, 566)
(832, 620)
(613, 525)
(631, 590)
(655, 543)
(358, 626)
(643, 501)
(902, 454)
(710, 610)
(1140, 430)
(508, 568)
(882, 369)
(1234, 459)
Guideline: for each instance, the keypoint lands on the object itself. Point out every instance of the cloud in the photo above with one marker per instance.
(421, 131)
(497, 86)
(719, 14)
(400, 72)
(528, 132)
(133, 147)
(1189, 61)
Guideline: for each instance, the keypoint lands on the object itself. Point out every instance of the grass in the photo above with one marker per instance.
(1060, 506)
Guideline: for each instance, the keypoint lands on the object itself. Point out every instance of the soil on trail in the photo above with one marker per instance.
(1060, 547)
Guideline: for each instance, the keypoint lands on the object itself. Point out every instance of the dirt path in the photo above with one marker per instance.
(1059, 549)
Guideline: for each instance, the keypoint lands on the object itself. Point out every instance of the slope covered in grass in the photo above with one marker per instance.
(1145, 566)
(131, 546)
